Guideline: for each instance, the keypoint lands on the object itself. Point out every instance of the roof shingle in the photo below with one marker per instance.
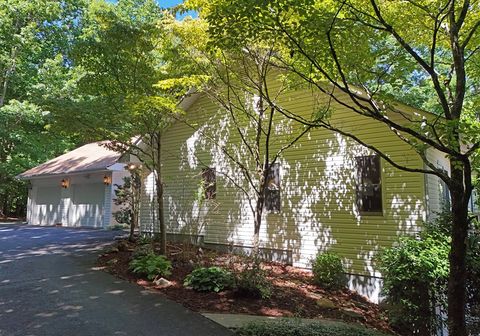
(90, 157)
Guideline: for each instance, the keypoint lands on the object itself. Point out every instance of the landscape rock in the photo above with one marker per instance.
(326, 303)
(161, 282)
(352, 313)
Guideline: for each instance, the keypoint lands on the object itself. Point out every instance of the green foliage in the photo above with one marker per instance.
(328, 271)
(211, 279)
(473, 279)
(252, 282)
(144, 239)
(151, 265)
(25, 141)
(416, 272)
(118, 54)
(142, 250)
(35, 40)
(128, 198)
(440, 229)
(296, 328)
(415, 276)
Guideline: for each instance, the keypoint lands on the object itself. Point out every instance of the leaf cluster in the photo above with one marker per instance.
(211, 279)
(151, 265)
(415, 273)
(252, 281)
(297, 328)
(328, 271)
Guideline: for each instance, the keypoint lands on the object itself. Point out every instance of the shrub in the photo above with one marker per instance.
(296, 328)
(415, 277)
(416, 273)
(142, 250)
(252, 282)
(143, 240)
(473, 279)
(212, 279)
(328, 271)
(151, 265)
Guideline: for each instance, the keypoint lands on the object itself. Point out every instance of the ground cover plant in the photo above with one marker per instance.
(252, 281)
(151, 265)
(416, 271)
(209, 279)
(296, 328)
(276, 290)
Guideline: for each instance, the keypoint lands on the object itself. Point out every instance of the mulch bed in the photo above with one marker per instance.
(11, 219)
(293, 294)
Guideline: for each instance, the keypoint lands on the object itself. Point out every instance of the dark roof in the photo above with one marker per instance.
(91, 157)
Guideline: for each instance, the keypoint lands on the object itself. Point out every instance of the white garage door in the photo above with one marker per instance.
(47, 209)
(87, 207)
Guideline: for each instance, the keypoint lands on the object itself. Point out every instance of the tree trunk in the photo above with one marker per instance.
(259, 209)
(159, 185)
(257, 224)
(136, 195)
(132, 230)
(457, 257)
(161, 219)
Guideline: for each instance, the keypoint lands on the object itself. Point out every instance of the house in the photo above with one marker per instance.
(333, 194)
(75, 189)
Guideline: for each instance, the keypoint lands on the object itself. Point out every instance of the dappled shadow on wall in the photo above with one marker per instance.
(318, 211)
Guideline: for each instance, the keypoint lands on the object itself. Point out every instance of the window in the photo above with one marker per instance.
(272, 190)
(369, 186)
(209, 183)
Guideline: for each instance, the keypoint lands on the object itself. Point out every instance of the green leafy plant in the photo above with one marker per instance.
(296, 328)
(328, 271)
(151, 265)
(143, 240)
(211, 279)
(252, 282)
(415, 275)
(142, 250)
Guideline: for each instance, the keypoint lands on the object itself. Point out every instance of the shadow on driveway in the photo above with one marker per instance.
(49, 286)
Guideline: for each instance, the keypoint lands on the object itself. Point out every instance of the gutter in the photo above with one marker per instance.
(63, 174)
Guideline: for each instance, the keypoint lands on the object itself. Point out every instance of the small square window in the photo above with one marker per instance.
(272, 190)
(209, 183)
(369, 184)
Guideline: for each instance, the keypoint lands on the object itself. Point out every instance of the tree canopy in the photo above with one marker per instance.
(423, 53)
(35, 44)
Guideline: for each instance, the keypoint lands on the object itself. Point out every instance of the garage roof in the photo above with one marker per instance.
(91, 157)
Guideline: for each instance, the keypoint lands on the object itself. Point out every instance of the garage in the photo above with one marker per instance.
(88, 205)
(76, 189)
(47, 208)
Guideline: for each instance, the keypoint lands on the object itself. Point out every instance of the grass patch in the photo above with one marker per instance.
(297, 328)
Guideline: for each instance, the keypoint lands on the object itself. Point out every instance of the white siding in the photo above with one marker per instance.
(317, 187)
(435, 187)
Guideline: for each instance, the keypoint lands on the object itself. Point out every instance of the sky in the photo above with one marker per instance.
(171, 3)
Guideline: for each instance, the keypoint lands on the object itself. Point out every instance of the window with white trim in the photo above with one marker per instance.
(369, 184)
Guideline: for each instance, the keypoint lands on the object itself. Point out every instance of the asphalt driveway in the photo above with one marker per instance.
(49, 286)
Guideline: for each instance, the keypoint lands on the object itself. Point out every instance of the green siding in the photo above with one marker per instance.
(317, 186)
